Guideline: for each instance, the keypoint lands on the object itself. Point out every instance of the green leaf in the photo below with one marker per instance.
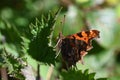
(86, 71)
(102, 79)
(40, 47)
(91, 76)
(24, 44)
(73, 74)
(100, 20)
(13, 64)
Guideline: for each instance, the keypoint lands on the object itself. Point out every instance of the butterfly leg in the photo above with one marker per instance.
(82, 54)
(89, 47)
(58, 42)
(57, 53)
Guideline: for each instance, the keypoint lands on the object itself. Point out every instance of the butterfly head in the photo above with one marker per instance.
(94, 33)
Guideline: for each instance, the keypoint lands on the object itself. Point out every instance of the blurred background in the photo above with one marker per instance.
(103, 15)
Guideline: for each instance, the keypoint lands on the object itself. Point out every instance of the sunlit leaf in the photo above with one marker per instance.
(73, 74)
(40, 47)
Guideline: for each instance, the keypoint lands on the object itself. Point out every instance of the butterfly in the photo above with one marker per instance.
(74, 47)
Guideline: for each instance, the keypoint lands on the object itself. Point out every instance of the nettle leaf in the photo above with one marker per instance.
(40, 47)
(13, 64)
(24, 44)
(102, 79)
(73, 74)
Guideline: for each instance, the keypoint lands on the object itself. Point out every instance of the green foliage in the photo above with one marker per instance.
(15, 17)
(9, 37)
(73, 74)
(40, 47)
(13, 64)
(10, 32)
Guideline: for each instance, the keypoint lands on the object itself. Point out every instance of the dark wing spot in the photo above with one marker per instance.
(84, 38)
(88, 33)
(79, 34)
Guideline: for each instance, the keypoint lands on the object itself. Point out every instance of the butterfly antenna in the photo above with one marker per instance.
(63, 23)
(60, 37)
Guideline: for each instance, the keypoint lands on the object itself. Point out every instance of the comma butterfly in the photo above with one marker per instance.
(74, 47)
